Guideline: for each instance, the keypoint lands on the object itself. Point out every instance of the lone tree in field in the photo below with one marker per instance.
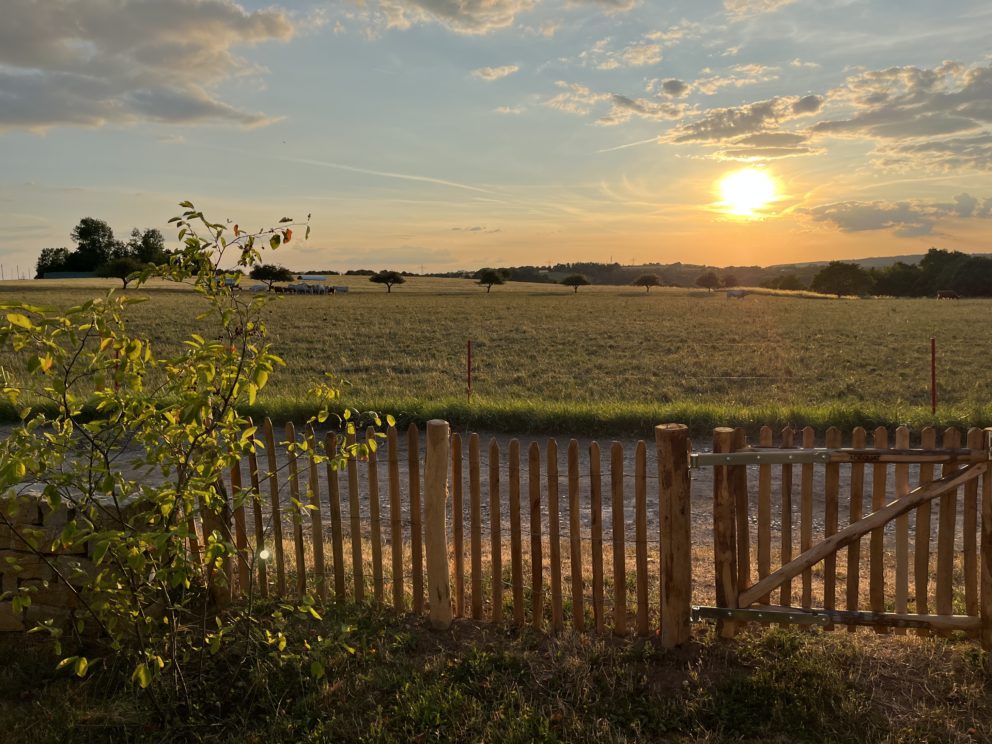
(729, 280)
(270, 274)
(708, 279)
(121, 268)
(389, 278)
(488, 277)
(841, 278)
(647, 281)
(575, 281)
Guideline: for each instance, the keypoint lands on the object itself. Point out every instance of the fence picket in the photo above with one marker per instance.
(765, 512)
(985, 604)
(876, 581)
(742, 513)
(416, 514)
(475, 522)
(787, 441)
(806, 516)
(859, 439)
(294, 493)
(375, 524)
(902, 532)
(831, 518)
(641, 535)
(724, 534)
(316, 518)
(273, 475)
(355, 520)
(458, 523)
(256, 500)
(536, 534)
(976, 438)
(240, 529)
(554, 536)
(596, 527)
(619, 549)
(575, 536)
(947, 510)
(921, 555)
(516, 548)
(334, 503)
(395, 519)
(496, 531)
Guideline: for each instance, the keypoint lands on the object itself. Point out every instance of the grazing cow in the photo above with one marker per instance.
(948, 294)
(736, 293)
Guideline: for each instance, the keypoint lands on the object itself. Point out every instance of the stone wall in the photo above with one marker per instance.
(25, 573)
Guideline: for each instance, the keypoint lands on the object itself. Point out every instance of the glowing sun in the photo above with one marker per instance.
(746, 192)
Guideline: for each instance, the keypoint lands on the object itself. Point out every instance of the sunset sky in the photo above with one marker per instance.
(449, 134)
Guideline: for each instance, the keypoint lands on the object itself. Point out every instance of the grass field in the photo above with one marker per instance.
(605, 359)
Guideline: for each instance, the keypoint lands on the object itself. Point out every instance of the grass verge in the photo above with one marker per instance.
(400, 682)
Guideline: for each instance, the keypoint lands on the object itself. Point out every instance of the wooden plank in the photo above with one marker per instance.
(395, 518)
(724, 533)
(256, 498)
(852, 532)
(596, 528)
(883, 619)
(876, 579)
(575, 537)
(375, 521)
(902, 532)
(435, 530)
(240, 530)
(946, 532)
(516, 549)
(416, 515)
(831, 517)
(765, 511)
(787, 441)
(334, 504)
(742, 509)
(316, 518)
(921, 553)
(641, 535)
(554, 536)
(806, 516)
(970, 537)
(475, 521)
(859, 438)
(355, 521)
(458, 523)
(619, 548)
(294, 493)
(273, 475)
(495, 531)
(672, 442)
(536, 534)
(985, 599)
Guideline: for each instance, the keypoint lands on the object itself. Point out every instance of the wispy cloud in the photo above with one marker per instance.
(495, 73)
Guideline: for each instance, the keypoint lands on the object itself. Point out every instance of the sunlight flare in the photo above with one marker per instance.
(746, 192)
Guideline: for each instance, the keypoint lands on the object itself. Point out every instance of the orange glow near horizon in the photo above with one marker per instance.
(745, 192)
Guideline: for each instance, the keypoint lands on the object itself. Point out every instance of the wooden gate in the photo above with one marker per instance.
(898, 529)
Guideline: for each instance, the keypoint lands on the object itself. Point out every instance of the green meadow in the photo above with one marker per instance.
(608, 358)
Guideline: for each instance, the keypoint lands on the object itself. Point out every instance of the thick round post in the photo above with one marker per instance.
(985, 604)
(672, 441)
(435, 529)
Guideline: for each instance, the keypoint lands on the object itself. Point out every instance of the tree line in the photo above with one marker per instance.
(99, 251)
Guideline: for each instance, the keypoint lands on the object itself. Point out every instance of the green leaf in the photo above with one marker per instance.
(274, 242)
(317, 670)
(142, 676)
(81, 666)
(390, 421)
(19, 320)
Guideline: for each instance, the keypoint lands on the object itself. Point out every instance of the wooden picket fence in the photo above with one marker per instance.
(458, 531)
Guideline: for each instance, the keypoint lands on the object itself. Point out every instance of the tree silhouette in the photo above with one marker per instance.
(488, 277)
(123, 268)
(389, 278)
(647, 281)
(575, 281)
(270, 273)
(708, 279)
(841, 278)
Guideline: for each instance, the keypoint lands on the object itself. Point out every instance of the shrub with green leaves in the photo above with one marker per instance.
(152, 600)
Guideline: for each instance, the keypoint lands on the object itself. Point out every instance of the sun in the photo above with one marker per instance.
(745, 192)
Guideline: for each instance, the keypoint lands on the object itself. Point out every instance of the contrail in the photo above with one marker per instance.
(629, 144)
(387, 174)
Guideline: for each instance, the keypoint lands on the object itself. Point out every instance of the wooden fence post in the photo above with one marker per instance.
(985, 570)
(724, 536)
(672, 441)
(435, 529)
